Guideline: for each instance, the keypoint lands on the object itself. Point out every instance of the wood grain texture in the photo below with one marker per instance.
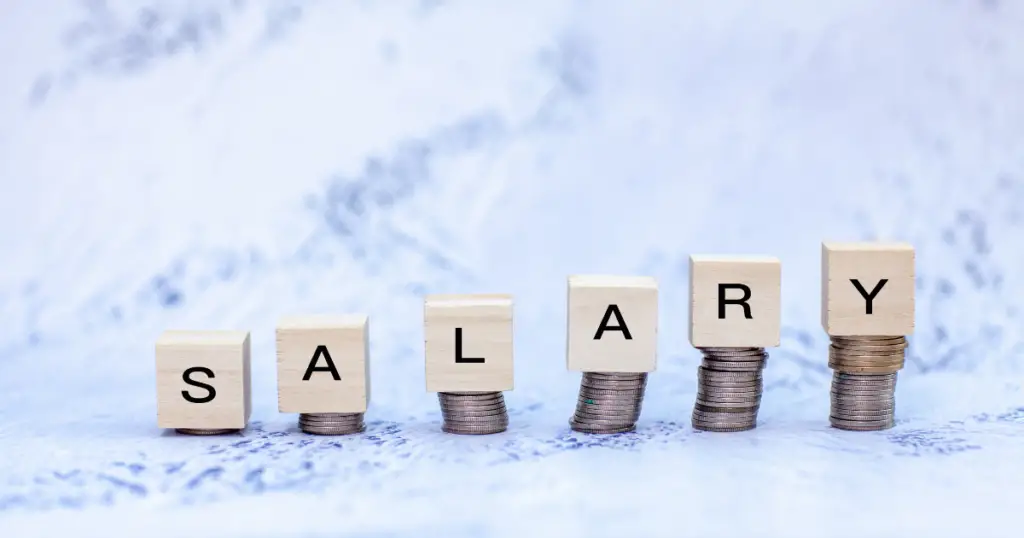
(227, 356)
(485, 322)
(629, 301)
(762, 276)
(844, 308)
(345, 342)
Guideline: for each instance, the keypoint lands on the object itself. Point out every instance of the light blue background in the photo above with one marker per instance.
(220, 164)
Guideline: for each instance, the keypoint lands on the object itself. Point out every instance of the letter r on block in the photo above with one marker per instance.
(735, 301)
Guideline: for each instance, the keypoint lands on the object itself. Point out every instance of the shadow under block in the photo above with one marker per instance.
(612, 324)
(735, 301)
(867, 289)
(203, 380)
(323, 364)
(468, 343)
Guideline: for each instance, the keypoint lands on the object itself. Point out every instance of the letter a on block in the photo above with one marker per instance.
(612, 324)
(867, 289)
(735, 301)
(203, 380)
(323, 364)
(468, 343)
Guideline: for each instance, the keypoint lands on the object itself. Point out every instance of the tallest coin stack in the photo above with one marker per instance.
(864, 381)
(867, 309)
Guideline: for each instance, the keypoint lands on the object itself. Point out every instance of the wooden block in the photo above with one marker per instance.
(735, 301)
(867, 289)
(612, 324)
(468, 340)
(323, 364)
(203, 379)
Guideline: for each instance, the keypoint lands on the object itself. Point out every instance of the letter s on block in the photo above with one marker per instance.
(186, 376)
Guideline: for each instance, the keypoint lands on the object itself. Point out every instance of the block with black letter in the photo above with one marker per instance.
(203, 380)
(735, 301)
(468, 342)
(612, 324)
(867, 289)
(323, 364)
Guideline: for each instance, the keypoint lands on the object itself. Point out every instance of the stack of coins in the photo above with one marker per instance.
(331, 423)
(473, 413)
(729, 386)
(197, 431)
(609, 402)
(864, 381)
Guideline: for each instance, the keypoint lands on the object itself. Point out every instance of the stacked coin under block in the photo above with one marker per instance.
(323, 362)
(729, 387)
(867, 310)
(469, 352)
(735, 307)
(612, 340)
(323, 372)
(203, 381)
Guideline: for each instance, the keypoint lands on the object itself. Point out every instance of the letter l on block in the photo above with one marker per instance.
(468, 343)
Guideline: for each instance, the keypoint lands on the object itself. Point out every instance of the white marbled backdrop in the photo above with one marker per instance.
(219, 164)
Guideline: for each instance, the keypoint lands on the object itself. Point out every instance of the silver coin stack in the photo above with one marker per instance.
(729, 385)
(332, 423)
(212, 431)
(473, 413)
(609, 402)
(864, 381)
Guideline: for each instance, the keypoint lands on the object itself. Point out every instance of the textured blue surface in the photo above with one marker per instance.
(221, 164)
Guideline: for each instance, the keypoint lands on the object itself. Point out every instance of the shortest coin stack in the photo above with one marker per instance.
(473, 413)
(197, 431)
(332, 423)
(864, 381)
(729, 385)
(609, 402)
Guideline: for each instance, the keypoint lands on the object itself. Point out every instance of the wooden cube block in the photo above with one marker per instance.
(323, 364)
(735, 301)
(612, 324)
(867, 289)
(468, 340)
(203, 380)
